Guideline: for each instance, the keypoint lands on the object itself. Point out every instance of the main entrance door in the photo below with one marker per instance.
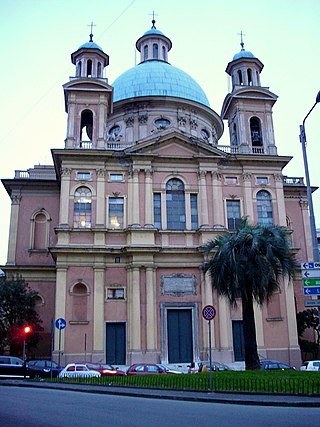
(238, 340)
(116, 343)
(180, 348)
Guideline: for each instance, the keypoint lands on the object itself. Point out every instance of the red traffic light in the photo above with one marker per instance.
(27, 329)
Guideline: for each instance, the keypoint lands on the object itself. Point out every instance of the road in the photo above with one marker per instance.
(33, 407)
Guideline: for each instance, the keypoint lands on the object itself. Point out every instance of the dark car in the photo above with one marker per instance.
(12, 367)
(105, 369)
(43, 369)
(146, 368)
(274, 365)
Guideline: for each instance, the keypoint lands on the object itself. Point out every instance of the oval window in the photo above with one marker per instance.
(205, 134)
(162, 123)
(114, 132)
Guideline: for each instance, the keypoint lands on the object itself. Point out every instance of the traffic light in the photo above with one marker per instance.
(27, 330)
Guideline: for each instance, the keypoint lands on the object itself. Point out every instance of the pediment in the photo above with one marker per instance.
(175, 145)
(87, 85)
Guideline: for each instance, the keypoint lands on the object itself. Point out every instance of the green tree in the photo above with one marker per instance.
(17, 302)
(309, 319)
(249, 264)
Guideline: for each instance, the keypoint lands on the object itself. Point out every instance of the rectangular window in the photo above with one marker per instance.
(116, 212)
(115, 293)
(83, 176)
(194, 211)
(116, 177)
(231, 180)
(262, 180)
(157, 210)
(233, 214)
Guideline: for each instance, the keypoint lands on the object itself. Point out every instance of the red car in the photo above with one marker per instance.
(105, 370)
(146, 368)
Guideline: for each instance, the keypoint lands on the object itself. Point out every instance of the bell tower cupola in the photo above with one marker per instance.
(88, 97)
(248, 108)
(153, 45)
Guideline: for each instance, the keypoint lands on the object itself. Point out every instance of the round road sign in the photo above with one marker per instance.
(209, 312)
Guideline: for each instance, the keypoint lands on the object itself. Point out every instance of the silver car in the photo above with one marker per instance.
(78, 370)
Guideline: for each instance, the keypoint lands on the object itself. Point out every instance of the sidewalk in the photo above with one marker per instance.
(217, 397)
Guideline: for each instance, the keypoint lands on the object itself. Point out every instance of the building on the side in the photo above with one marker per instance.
(110, 235)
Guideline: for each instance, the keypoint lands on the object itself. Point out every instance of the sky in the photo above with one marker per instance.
(38, 37)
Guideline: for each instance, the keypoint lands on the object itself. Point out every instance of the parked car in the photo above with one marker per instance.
(169, 370)
(204, 365)
(78, 370)
(146, 368)
(311, 365)
(43, 369)
(105, 370)
(274, 365)
(12, 367)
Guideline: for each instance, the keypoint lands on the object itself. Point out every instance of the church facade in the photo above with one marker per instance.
(111, 235)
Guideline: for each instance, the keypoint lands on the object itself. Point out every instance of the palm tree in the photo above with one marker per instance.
(249, 264)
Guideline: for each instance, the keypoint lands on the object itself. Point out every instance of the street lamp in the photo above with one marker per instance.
(303, 141)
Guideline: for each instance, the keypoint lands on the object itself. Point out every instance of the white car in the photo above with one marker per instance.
(311, 365)
(78, 370)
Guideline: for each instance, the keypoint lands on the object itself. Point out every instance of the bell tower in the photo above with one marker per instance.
(88, 98)
(248, 108)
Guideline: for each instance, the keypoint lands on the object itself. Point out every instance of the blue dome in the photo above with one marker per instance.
(153, 31)
(243, 54)
(90, 45)
(157, 78)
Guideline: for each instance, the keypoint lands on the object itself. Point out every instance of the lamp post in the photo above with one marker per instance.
(303, 141)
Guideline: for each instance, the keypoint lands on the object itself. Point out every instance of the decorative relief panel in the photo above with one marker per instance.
(178, 285)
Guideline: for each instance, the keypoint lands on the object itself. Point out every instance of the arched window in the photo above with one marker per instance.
(240, 77)
(249, 75)
(99, 69)
(79, 294)
(87, 123)
(175, 198)
(40, 228)
(255, 130)
(155, 51)
(145, 52)
(82, 208)
(79, 66)
(264, 208)
(234, 138)
(89, 68)
(164, 53)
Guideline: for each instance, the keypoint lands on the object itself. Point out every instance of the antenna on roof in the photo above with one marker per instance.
(91, 35)
(241, 40)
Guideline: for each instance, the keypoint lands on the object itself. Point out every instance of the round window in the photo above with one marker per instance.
(114, 132)
(162, 123)
(205, 134)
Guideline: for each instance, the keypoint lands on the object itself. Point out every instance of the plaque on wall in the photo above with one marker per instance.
(178, 284)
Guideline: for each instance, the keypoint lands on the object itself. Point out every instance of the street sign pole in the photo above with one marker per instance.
(210, 358)
(209, 313)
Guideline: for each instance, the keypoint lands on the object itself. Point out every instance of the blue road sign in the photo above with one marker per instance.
(209, 312)
(310, 265)
(312, 291)
(60, 323)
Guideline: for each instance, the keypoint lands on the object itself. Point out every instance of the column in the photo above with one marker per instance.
(134, 310)
(60, 303)
(98, 309)
(148, 215)
(13, 230)
(247, 195)
(65, 197)
(259, 325)
(218, 216)
(130, 198)
(207, 299)
(280, 199)
(224, 324)
(204, 217)
(135, 198)
(151, 310)
(101, 204)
